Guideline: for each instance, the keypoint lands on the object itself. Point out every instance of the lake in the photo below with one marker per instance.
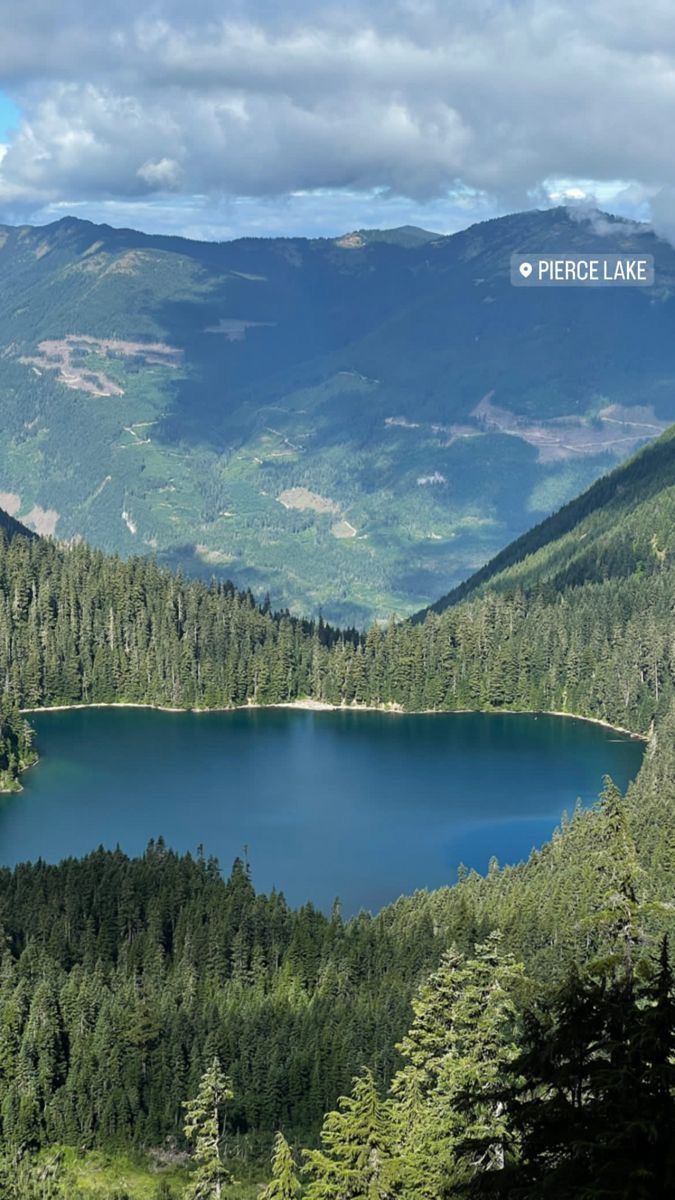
(361, 805)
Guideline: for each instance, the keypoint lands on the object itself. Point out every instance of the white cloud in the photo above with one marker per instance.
(161, 175)
(491, 102)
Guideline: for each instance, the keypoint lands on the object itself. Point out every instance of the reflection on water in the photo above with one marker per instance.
(362, 805)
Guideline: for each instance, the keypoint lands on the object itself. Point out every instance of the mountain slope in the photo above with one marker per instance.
(583, 626)
(402, 235)
(624, 523)
(12, 528)
(355, 423)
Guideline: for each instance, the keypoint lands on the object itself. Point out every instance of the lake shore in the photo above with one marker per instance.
(310, 705)
(365, 807)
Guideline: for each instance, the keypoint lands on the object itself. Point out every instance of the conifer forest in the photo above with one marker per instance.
(510, 1035)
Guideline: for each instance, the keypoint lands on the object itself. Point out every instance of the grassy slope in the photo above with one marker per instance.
(108, 1175)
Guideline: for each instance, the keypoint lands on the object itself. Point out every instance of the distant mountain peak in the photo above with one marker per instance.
(402, 235)
(420, 412)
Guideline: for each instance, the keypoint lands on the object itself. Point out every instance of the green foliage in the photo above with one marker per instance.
(22, 1178)
(285, 1183)
(205, 1130)
(592, 1093)
(123, 978)
(16, 746)
(356, 1145)
(372, 375)
(457, 1056)
(170, 965)
(9, 528)
(163, 1191)
(573, 1097)
(121, 981)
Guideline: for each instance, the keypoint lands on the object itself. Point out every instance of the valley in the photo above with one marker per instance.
(129, 978)
(337, 601)
(210, 381)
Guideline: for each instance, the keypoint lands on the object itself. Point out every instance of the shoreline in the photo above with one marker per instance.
(310, 705)
(17, 785)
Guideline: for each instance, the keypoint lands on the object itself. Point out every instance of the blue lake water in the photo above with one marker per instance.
(364, 806)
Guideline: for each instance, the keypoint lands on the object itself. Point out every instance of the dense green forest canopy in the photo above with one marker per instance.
(622, 524)
(581, 624)
(121, 979)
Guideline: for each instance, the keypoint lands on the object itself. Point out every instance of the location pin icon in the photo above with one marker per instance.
(525, 269)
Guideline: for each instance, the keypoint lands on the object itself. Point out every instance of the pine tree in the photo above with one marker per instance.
(204, 1127)
(619, 918)
(452, 1122)
(547, 1096)
(284, 1184)
(354, 1161)
(592, 1094)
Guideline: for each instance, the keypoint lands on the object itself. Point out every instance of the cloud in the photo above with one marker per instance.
(602, 225)
(662, 213)
(482, 101)
(164, 174)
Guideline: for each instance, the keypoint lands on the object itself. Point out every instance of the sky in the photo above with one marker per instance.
(221, 118)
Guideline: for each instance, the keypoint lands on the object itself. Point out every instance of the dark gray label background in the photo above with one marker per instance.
(533, 280)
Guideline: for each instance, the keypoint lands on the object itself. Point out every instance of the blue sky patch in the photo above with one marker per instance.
(9, 116)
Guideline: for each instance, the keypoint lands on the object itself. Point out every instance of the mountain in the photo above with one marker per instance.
(402, 235)
(11, 528)
(576, 617)
(624, 523)
(353, 423)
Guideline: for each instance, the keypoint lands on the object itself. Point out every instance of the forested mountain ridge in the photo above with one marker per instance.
(350, 423)
(78, 627)
(10, 528)
(584, 625)
(622, 524)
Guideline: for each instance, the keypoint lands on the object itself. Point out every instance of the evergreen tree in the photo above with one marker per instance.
(354, 1160)
(204, 1127)
(592, 1094)
(452, 1122)
(284, 1184)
